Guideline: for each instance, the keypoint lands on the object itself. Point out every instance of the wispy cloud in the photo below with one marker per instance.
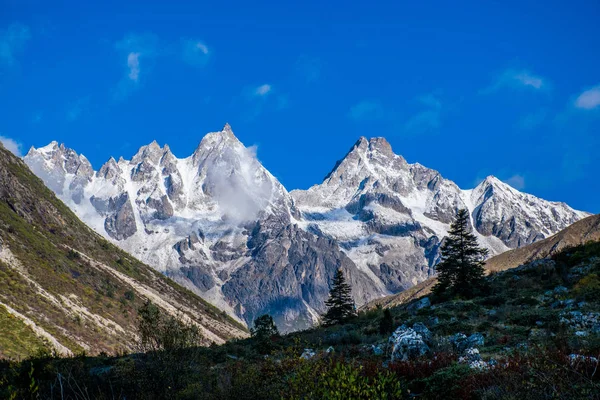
(517, 181)
(263, 90)
(430, 100)
(133, 49)
(513, 78)
(589, 99)
(12, 41)
(309, 68)
(428, 119)
(261, 98)
(532, 120)
(195, 52)
(133, 63)
(367, 110)
(78, 108)
(424, 121)
(11, 145)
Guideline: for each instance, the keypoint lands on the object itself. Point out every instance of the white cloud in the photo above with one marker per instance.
(263, 90)
(366, 110)
(589, 99)
(12, 41)
(517, 79)
(263, 98)
(133, 63)
(195, 52)
(134, 49)
(11, 145)
(430, 100)
(517, 181)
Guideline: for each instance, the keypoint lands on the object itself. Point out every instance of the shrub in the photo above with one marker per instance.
(160, 332)
(338, 380)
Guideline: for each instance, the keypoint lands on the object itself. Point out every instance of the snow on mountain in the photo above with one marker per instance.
(390, 216)
(219, 223)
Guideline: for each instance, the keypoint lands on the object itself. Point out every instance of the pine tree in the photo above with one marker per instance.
(264, 327)
(264, 332)
(460, 270)
(386, 323)
(340, 305)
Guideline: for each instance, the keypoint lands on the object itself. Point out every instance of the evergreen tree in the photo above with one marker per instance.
(340, 305)
(460, 270)
(264, 332)
(386, 323)
(264, 327)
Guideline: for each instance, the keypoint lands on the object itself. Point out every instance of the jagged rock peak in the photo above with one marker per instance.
(376, 149)
(151, 151)
(224, 135)
(109, 170)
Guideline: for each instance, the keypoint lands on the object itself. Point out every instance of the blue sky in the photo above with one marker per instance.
(471, 89)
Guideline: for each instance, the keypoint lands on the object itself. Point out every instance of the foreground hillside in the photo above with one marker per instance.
(534, 334)
(65, 288)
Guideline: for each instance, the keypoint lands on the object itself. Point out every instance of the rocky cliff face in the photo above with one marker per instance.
(221, 224)
(391, 216)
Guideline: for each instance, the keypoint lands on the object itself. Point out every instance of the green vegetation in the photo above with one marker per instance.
(340, 305)
(460, 270)
(16, 338)
(159, 332)
(58, 254)
(531, 351)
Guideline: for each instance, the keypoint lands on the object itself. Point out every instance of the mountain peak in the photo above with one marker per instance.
(218, 141)
(150, 151)
(492, 181)
(380, 144)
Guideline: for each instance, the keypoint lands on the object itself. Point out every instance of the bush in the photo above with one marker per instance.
(160, 332)
(337, 380)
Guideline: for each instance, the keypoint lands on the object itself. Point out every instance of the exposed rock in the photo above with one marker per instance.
(308, 354)
(422, 330)
(560, 290)
(422, 303)
(264, 250)
(476, 340)
(377, 350)
(579, 358)
(407, 344)
(578, 321)
(120, 222)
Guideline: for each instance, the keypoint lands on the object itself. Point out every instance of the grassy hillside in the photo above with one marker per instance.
(79, 292)
(536, 331)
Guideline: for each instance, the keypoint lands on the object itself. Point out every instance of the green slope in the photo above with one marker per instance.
(71, 282)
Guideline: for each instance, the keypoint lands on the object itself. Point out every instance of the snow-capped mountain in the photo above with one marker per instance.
(217, 222)
(221, 224)
(390, 216)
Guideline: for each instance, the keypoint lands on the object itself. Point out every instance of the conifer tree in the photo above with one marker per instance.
(460, 270)
(386, 323)
(264, 327)
(264, 332)
(340, 305)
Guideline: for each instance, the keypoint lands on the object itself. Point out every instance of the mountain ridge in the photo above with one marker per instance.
(64, 287)
(222, 225)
